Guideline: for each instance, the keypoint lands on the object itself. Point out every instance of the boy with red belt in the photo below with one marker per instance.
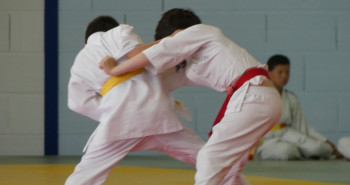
(214, 61)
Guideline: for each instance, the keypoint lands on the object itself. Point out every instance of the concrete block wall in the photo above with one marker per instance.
(21, 77)
(314, 34)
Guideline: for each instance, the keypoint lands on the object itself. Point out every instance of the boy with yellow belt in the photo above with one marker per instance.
(135, 115)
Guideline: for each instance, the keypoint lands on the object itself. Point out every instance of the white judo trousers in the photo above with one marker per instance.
(228, 148)
(289, 144)
(99, 159)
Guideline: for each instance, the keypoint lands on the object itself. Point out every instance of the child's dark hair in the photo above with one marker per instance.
(101, 23)
(175, 19)
(277, 60)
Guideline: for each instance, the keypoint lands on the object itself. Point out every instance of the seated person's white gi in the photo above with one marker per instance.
(296, 139)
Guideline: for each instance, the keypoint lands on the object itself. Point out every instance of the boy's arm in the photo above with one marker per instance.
(136, 60)
(142, 47)
(108, 64)
(138, 49)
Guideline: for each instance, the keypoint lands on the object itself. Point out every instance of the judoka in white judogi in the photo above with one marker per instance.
(297, 139)
(215, 62)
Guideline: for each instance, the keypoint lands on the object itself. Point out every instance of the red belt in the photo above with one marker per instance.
(247, 75)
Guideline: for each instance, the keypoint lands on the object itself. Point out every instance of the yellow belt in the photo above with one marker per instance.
(116, 80)
(278, 127)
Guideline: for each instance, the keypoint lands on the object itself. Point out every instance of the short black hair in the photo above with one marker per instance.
(175, 19)
(277, 60)
(100, 23)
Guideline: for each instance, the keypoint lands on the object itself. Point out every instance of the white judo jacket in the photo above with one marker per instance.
(213, 60)
(136, 108)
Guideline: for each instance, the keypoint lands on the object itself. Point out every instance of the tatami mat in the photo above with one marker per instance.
(55, 174)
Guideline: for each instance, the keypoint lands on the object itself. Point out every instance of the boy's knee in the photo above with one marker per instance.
(289, 152)
(280, 151)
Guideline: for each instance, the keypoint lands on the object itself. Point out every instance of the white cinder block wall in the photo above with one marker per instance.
(314, 34)
(21, 77)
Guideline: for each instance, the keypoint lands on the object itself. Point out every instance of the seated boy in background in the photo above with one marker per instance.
(292, 138)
